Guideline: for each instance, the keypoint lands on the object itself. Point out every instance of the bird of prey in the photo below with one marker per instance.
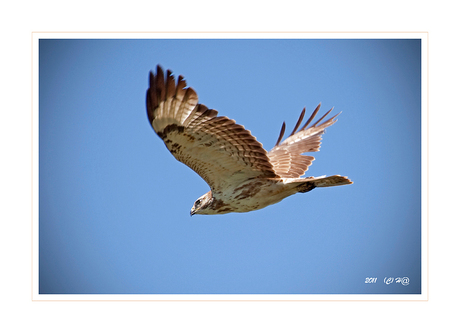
(242, 175)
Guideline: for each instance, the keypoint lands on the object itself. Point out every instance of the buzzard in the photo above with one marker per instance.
(242, 175)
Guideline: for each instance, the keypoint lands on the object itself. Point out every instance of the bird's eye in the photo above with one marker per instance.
(198, 202)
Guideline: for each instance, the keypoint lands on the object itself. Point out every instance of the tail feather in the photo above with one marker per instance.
(331, 181)
(304, 185)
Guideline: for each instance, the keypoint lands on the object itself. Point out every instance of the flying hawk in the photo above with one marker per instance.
(242, 175)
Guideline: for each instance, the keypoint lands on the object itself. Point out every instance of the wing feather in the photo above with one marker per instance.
(286, 157)
(219, 150)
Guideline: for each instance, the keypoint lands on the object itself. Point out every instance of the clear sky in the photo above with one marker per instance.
(114, 203)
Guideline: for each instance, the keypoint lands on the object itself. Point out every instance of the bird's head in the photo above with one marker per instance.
(203, 205)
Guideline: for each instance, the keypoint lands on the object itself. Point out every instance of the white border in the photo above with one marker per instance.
(230, 35)
(34, 166)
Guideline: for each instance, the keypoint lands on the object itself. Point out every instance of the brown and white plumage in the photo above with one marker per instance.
(241, 174)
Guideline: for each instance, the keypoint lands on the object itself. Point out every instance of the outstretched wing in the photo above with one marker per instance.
(287, 158)
(219, 150)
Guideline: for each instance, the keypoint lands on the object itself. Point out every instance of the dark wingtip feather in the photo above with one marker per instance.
(151, 79)
(159, 69)
(152, 100)
(149, 107)
(170, 84)
(302, 114)
(156, 91)
(311, 117)
(181, 84)
(283, 128)
(160, 83)
(333, 118)
(320, 119)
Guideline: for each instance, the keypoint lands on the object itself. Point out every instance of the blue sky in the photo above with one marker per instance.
(114, 203)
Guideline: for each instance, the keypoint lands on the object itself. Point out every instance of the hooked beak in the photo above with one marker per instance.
(192, 212)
